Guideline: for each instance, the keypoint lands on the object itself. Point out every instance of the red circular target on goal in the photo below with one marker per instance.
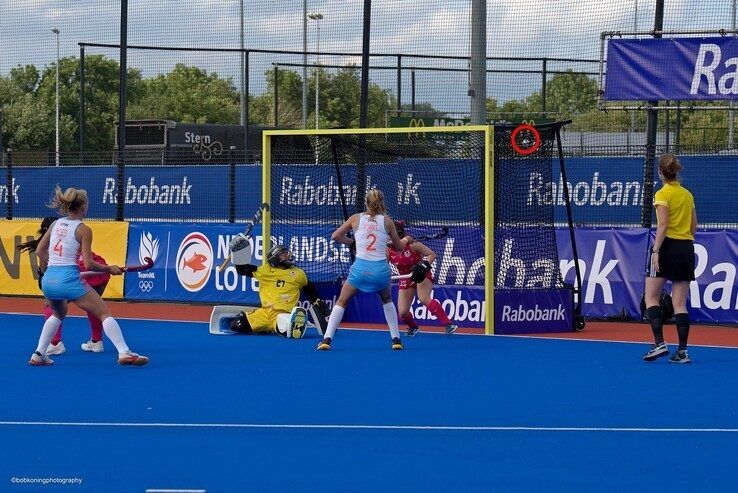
(525, 139)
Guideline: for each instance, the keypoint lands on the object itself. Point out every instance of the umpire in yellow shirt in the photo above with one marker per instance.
(671, 258)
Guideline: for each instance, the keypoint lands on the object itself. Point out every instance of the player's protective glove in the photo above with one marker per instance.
(420, 270)
(239, 242)
(40, 276)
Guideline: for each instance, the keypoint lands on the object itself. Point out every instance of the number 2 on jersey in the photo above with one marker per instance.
(372, 240)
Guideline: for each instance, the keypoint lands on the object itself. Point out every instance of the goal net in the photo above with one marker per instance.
(445, 184)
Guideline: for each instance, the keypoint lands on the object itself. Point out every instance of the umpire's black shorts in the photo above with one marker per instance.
(676, 260)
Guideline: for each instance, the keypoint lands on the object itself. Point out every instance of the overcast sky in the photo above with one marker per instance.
(517, 28)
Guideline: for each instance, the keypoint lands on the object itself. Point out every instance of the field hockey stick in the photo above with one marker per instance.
(254, 221)
(437, 236)
(401, 276)
(148, 263)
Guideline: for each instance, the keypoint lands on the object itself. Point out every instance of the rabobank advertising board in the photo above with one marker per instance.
(603, 190)
(611, 264)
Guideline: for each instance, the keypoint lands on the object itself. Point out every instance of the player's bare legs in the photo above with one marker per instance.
(92, 303)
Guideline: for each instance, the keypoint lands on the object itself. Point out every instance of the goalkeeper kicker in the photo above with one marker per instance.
(280, 285)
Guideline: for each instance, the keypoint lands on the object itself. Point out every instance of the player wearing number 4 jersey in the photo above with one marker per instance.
(416, 259)
(58, 251)
(370, 272)
(97, 282)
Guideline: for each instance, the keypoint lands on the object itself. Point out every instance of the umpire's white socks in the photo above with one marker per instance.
(112, 330)
(390, 313)
(334, 320)
(51, 325)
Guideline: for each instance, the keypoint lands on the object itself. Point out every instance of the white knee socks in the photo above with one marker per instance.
(51, 325)
(390, 313)
(112, 330)
(334, 320)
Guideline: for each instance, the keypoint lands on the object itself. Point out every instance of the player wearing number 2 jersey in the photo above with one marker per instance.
(370, 273)
(58, 252)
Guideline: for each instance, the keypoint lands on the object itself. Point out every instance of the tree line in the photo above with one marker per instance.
(192, 94)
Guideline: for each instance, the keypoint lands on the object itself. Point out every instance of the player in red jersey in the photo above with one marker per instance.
(416, 259)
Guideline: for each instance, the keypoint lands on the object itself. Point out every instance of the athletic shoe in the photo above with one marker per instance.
(93, 347)
(131, 358)
(325, 344)
(451, 328)
(58, 349)
(38, 359)
(412, 330)
(680, 356)
(397, 344)
(657, 351)
(298, 322)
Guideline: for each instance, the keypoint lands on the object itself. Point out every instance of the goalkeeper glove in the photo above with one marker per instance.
(420, 270)
(239, 242)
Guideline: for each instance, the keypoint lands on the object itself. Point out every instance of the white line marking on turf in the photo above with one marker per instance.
(595, 429)
(173, 491)
(554, 338)
(457, 334)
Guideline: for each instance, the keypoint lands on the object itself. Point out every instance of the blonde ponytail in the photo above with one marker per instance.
(375, 202)
(70, 200)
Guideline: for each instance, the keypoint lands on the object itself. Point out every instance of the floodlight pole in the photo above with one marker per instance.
(122, 101)
(731, 113)
(56, 119)
(651, 133)
(304, 65)
(635, 28)
(478, 63)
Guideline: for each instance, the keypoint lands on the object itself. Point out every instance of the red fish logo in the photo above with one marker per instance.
(194, 261)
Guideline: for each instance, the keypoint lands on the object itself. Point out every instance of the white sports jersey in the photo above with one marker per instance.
(371, 238)
(64, 248)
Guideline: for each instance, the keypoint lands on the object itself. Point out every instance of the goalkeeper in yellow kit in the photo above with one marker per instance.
(280, 286)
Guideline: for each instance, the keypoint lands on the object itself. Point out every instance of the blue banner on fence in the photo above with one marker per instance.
(603, 190)
(672, 69)
(611, 262)
(186, 261)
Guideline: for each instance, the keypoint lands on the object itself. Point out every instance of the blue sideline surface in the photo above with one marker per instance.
(460, 413)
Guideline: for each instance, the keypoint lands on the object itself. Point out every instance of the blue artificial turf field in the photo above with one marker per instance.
(460, 413)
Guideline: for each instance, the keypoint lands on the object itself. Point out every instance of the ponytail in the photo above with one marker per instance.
(71, 200)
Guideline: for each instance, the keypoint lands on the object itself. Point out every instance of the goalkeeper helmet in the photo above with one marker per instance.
(400, 226)
(280, 257)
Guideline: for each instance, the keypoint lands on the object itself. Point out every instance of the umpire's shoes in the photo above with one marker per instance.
(412, 330)
(325, 344)
(397, 344)
(657, 351)
(298, 323)
(680, 356)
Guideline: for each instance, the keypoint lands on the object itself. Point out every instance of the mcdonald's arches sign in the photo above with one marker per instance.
(415, 122)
